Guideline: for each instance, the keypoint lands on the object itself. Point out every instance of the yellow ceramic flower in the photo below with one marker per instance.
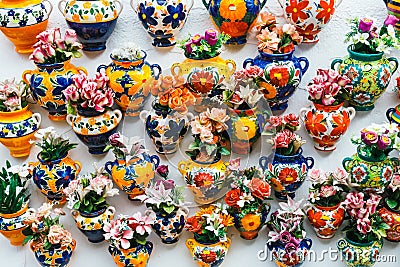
(87, 5)
(245, 128)
(144, 174)
(233, 9)
(251, 222)
(140, 261)
(139, 79)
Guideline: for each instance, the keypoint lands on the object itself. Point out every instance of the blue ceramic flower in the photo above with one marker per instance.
(253, 7)
(151, 128)
(175, 130)
(146, 15)
(176, 14)
(66, 175)
(11, 12)
(161, 2)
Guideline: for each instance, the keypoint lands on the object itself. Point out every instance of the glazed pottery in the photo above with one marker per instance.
(55, 256)
(169, 227)
(17, 128)
(133, 176)
(326, 124)
(393, 7)
(355, 254)
(370, 75)
(165, 127)
(283, 258)
(309, 16)
(392, 218)
(128, 81)
(287, 173)
(137, 256)
(393, 115)
(208, 254)
(54, 176)
(93, 20)
(22, 21)
(11, 225)
(284, 72)
(204, 179)
(91, 224)
(162, 19)
(250, 223)
(370, 172)
(47, 84)
(94, 128)
(326, 220)
(234, 17)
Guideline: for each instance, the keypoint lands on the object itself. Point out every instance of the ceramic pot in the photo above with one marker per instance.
(165, 127)
(287, 173)
(250, 223)
(11, 225)
(393, 7)
(53, 177)
(91, 224)
(94, 128)
(204, 179)
(162, 19)
(22, 21)
(55, 256)
(208, 254)
(326, 220)
(17, 128)
(169, 227)
(234, 17)
(356, 254)
(370, 172)
(370, 75)
(282, 258)
(326, 124)
(133, 176)
(47, 83)
(137, 256)
(393, 115)
(392, 218)
(309, 16)
(284, 72)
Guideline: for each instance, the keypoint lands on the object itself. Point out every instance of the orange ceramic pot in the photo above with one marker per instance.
(326, 220)
(392, 218)
(11, 226)
(208, 254)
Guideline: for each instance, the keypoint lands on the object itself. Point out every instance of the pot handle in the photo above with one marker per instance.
(108, 167)
(389, 113)
(308, 242)
(62, 9)
(310, 162)
(263, 3)
(25, 74)
(120, 6)
(190, 116)
(174, 66)
(118, 114)
(134, 5)
(70, 119)
(231, 65)
(339, 2)
(182, 167)
(82, 70)
(306, 64)
(191, 5)
(143, 115)
(156, 160)
(78, 166)
(263, 162)
(50, 6)
(302, 113)
(207, 5)
(352, 112)
(110, 210)
(38, 118)
(336, 61)
(75, 213)
(395, 63)
(102, 66)
(395, 161)
(345, 163)
(247, 62)
(156, 67)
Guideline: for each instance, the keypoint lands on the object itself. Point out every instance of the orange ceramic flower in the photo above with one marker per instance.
(140, 261)
(295, 9)
(268, 90)
(227, 220)
(316, 218)
(203, 179)
(164, 99)
(287, 175)
(234, 29)
(276, 185)
(245, 128)
(232, 197)
(144, 174)
(338, 217)
(327, 10)
(279, 76)
(313, 123)
(208, 256)
(203, 81)
(233, 9)
(342, 122)
(309, 32)
(192, 225)
(251, 222)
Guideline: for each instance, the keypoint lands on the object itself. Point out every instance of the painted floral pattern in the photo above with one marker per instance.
(90, 223)
(21, 17)
(95, 125)
(132, 257)
(18, 129)
(55, 256)
(91, 11)
(170, 226)
(326, 220)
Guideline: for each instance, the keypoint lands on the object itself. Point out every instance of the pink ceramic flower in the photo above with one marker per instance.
(355, 200)
(383, 142)
(142, 223)
(118, 232)
(315, 176)
(365, 25)
(364, 225)
(254, 71)
(58, 235)
(391, 20)
(163, 170)
(71, 93)
(327, 191)
(291, 119)
(370, 138)
(70, 37)
(211, 36)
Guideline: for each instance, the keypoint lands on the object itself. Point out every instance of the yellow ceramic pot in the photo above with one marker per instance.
(208, 254)
(17, 128)
(136, 256)
(11, 226)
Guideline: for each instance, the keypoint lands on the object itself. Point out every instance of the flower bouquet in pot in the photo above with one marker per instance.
(363, 241)
(87, 199)
(210, 243)
(367, 67)
(328, 120)
(128, 239)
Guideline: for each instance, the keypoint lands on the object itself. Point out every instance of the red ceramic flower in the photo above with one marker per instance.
(309, 32)
(232, 197)
(234, 29)
(326, 141)
(316, 218)
(279, 76)
(192, 225)
(327, 10)
(313, 123)
(203, 179)
(296, 10)
(341, 122)
(202, 81)
(338, 217)
(288, 175)
(208, 257)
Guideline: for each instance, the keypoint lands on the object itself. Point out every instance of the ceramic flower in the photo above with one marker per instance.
(127, 52)
(13, 95)
(124, 147)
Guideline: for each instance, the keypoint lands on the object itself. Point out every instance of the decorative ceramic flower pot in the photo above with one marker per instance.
(249, 224)
(234, 17)
(165, 127)
(370, 172)
(287, 173)
(93, 20)
(393, 7)
(284, 72)
(309, 16)
(370, 75)
(94, 128)
(326, 124)
(326, 220)
(284, 258)
(11, 225)
(137, 256)
(133, 176)
(47, 83)
(356, 254)
(204, 179)
(210, 254)
(128, 81)
(53, 177)
(392, 218)
(162, 19)
(393, 115)
(169, 227)
(22, 21)
(17, 128)
(91, 224)
(55, 256)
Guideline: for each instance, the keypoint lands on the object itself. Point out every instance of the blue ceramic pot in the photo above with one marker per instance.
(137, 255)
(55, 256)
(251, 222)
(283, 258)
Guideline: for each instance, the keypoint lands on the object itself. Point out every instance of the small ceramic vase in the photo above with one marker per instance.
(208, 254)
(137, 256)
(393, 7)
(370, 75)
(165, 127)
(249, 224)
(17, 128)
(162, 19)
(287, 173)
(11, 225)
(93, 20)
(393, 115)
(94, 128)
(91, 224)
(284, 72)
(284, 258)
(392, 218)
(234, 17)
(326, 220)
(55, 256)
(21, 21)
(326, 124)
(47, 83)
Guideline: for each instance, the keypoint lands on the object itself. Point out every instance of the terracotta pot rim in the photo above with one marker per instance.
(15, 214)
